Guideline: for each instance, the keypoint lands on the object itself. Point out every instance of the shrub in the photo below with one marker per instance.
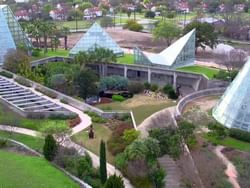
(49, 148)
(167, 88)
(118, 98)
(84, 165)
(64, 101)
(113, 83)
(157, 175)
(149, 14)
(114, 182)
(147, 85)
(74, 122)
(240, 134)
(133, 26)
(172, 94)
(135, 87)
(35, 53)
(130, 135)
(121, 161)
(47, 92)
(23, 81)
(63, 116)
(3, 143)
(154, 87)
(6, 74)
(218, 130)
(95, 117)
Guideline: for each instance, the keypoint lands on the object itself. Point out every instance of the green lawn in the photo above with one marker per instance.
(81, 24)
(50, 53)
(101, 133)
(230, 142)
(33, 142)
(142, 106)
(209, 72)
(25, 171)
(126, 59)
(8, 117)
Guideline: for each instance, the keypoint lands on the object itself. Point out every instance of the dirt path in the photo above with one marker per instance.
(230, 171)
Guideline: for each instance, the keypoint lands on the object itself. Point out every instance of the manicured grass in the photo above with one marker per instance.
(126, 59)
(209, 72)
(59, 52)
(81, 24)
(101, 133)
(8, 117)
(229, 142)
(25, 171)
(142, 106)
(33, 142)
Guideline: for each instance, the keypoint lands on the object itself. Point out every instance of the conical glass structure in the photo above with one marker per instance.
(233, 109)
(96, 37)
(11, 33)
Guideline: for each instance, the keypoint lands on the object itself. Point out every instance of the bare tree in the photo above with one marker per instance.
(234, 60)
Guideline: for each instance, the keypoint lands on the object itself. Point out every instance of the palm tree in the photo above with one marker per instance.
(47, 29)
(65, 31)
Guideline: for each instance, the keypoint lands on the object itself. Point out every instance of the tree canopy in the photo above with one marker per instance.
(166, 31)
(205, 34)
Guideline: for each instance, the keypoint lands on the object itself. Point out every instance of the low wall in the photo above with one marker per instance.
(191, 97)
(68, 100)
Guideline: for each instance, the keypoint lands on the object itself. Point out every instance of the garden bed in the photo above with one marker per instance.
(141, 105)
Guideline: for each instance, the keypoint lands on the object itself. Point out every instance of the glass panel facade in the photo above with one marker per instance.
(11, 33)
(6, 40)
(140, 57)
(179, 54)
(15, 28)
(233, 109)
(96, 37)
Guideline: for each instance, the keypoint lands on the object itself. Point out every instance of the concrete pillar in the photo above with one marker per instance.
(175, 80)
(149, 75)
(125, 71)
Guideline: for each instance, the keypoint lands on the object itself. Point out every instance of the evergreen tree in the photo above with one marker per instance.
(114, 182)
(49, 148)
(103, 167)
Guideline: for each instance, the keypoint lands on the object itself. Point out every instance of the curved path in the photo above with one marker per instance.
(69, 144)
(163, 118)
(230, 171)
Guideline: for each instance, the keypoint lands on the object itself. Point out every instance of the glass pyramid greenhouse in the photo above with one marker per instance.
(233, 109)
(96, 37)
(180, 53)
(11, 33)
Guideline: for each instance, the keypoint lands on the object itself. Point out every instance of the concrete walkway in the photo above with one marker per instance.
(85, 119)
(161, 119)
(230, 171)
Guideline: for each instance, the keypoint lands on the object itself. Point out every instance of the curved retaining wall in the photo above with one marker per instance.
(191, 97)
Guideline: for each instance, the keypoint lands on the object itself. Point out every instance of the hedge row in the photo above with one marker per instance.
(47, 92)
(6, 74)
(23, 81)
(240, 135)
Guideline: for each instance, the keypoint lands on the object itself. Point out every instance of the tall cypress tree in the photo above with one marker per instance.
(103, 166)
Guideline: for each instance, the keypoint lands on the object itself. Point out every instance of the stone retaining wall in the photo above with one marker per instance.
(191, 97)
